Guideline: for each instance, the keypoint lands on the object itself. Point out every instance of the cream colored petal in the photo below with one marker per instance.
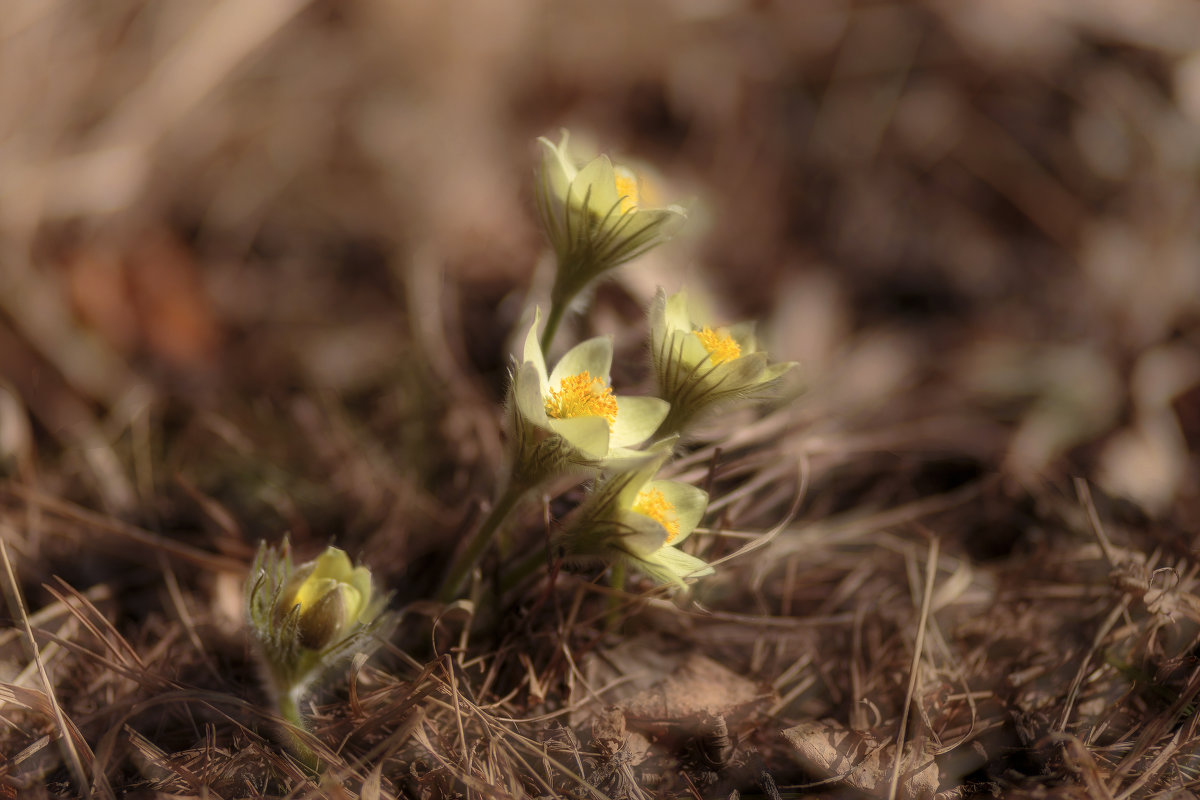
(637, 419)
(640, 535)
(693, 351)
(690, 504)
(671, 565)
(527, 394)
(557, 166)
(676, 313)
(776, 370)
(737, 375)
(588, 435)
(593, 356)
(652, 460)
(596, 184)
(532, 352)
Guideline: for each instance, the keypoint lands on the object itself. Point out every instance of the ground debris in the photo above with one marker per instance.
(833, 752)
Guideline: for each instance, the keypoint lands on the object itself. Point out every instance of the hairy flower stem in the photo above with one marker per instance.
(291, 731)
(466, 560)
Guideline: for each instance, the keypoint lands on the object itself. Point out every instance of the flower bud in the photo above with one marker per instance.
(309, 616)
(328, 595)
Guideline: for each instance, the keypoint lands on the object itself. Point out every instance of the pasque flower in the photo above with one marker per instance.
(634, 518)
(306, 619)
(560, 421)
(568, 417)
(698, 366)
(596, 218)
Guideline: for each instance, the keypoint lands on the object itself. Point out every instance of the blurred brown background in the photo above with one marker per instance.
(998, 197)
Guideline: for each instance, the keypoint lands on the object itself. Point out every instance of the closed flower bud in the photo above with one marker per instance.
(323, 619)
(307, 617)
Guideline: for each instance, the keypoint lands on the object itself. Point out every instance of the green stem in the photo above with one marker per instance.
(293, 728)
(616, 580)
(552, 320)
(466, 560)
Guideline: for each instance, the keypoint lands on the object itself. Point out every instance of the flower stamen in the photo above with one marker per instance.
(582, 396)
(654, 504)
(720, 346)
(627, 188)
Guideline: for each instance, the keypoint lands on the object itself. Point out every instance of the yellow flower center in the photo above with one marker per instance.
(654, 504)
(720, 346)
(582, 396)
(627, 188)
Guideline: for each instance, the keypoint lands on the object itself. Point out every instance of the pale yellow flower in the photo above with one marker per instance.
(569, 417)
(596, 217)
(699, 366)
(633, 518)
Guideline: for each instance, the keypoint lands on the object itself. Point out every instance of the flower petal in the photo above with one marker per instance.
(672, 566)
(638, 476)
(589, 435)
(694, 352)
(557, 166)
(775, 370)
(593, 356)
(690, 504)
(637, 419)
(743, 334)
(675, 312)
(527, 394)
(737, 375)
(532, 352)
(596, 184)
(660, 223)
(641, 536)
(360, 579)
(334, 564)
(624, 459)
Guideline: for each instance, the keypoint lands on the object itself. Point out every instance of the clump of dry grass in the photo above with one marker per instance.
(257, 269)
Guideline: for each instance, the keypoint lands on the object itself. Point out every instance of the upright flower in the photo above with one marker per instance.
(569, 418)
(698, 366)
(561, 421)
(306, 619)
(596, 219)
(641, 521)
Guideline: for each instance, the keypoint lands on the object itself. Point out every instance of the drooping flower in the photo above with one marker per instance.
(596, 218)
(633, 518)
(569, 417)
(698, 366)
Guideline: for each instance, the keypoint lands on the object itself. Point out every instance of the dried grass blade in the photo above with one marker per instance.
(931, 562)
(71, 740)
